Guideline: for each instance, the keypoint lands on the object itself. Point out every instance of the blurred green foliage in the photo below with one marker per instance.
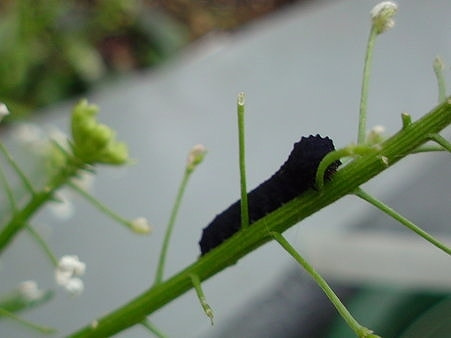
(53, 49)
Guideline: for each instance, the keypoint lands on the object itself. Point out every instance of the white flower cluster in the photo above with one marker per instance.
(67, 274)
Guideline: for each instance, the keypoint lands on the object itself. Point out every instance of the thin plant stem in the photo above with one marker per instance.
(365, 85)
(201, 296)
(389, 211)
(25, 181)
(242, 161)
(437, 138)
(438, 70)
(360, 330)
(43, 245)
(152, 328)
(428, 149)
(170, 227)
(8, 190)
(99, 205)
(39, 328)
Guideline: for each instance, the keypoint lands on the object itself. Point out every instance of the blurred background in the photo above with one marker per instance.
(165, 75)
(56, 49)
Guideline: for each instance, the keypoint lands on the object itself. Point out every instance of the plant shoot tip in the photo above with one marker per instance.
(241, 98)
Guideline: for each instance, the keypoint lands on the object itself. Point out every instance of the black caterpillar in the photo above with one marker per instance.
(294, 177)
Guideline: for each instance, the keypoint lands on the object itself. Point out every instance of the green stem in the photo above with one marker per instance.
(8, 189)
(438, 70)
(201, 296)
(360, 330)
(401, 219)
(38, 238)
(406, 120)
(39, 328)
(38, 199)
(365, 85)
(344, 182)
(25, 181)
(441, 140)
(170, 227)
(242, 161)
(152, 328)
(333, 156)
(427, 149)
(99, 205)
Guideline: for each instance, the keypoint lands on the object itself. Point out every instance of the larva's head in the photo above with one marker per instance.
(306, 156)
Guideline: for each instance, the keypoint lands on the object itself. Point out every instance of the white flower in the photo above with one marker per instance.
(382, 15)
(67, 272)
(140, 225)
(3, 111)
(74, 286)
(30, 291)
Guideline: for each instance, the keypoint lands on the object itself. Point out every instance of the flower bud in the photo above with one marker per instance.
(382, 15)
(195, 156)
(94, 142)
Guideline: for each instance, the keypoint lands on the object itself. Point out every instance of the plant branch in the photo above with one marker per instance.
(365, 85)
(20, 218)
(170, 227)
(401, 219)
(242, 162)
(360, 330)
(344, 182)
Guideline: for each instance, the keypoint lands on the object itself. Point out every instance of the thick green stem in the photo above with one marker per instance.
(401, 219)
(242, 161)
(360, 330)
(344, 182)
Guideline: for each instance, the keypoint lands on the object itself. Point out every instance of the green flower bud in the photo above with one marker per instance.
(94, 142)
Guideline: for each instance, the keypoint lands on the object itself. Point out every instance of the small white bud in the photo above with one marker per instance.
(140, 225)
(3, 111)
(375, 135)
(382, 15)
(195, 156)
(30, 291)
(75, 286)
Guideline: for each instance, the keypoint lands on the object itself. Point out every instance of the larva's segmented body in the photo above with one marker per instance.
(294, 177)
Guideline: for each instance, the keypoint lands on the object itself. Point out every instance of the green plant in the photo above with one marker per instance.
(92, 144)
